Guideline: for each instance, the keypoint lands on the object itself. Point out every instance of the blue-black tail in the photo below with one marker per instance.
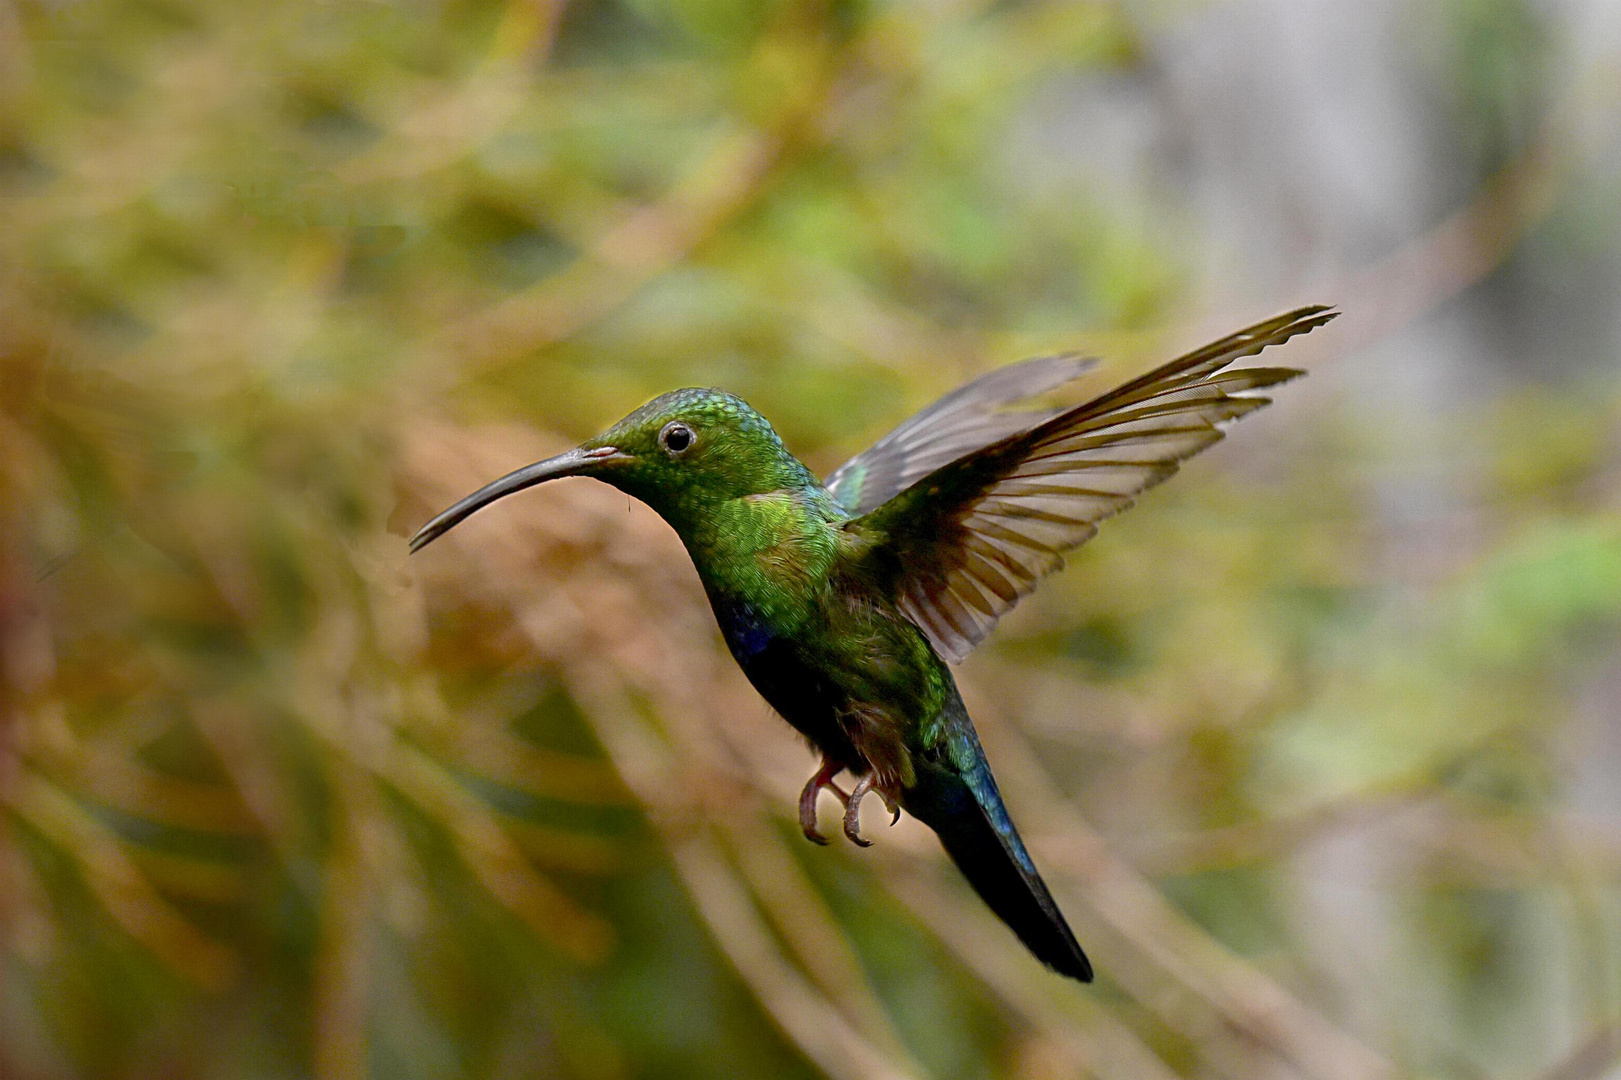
(956, 796)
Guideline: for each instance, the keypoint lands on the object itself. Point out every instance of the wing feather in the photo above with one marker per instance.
(962, 541)
(969, 418)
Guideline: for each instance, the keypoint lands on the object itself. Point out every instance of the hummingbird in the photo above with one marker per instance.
(845, 601)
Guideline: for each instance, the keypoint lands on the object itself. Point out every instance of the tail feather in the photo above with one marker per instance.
(965, 809)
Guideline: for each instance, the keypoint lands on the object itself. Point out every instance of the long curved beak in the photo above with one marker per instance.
(572, 463)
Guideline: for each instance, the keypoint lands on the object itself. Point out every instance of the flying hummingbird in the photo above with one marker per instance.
(844, 601)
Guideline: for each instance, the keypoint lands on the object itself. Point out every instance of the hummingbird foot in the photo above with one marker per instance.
(813, 788)
(852, 808)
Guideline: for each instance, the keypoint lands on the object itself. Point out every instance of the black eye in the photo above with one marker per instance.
(676, 437)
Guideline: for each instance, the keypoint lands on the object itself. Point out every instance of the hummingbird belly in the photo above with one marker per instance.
(863, 687)
(802, 692)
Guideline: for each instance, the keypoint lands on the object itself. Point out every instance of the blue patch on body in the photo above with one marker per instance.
(745, 632)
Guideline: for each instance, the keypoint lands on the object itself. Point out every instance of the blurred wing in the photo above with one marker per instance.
(965, 420)
(960, 546)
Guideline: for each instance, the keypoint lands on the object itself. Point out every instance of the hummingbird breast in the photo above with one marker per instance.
(857, 680)
(799, 689)
(835, 658)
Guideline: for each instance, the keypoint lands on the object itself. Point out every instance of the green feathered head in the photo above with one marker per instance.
(683, 453)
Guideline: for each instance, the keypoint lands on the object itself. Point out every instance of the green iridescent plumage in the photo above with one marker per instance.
(842, 603)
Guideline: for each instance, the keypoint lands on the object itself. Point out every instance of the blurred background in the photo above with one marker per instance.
(1320, 746)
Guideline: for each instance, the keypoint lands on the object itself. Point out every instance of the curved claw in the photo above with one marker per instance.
(807, 799)
(852, 810)
(852, 830)
(807, 814)
(891, 805)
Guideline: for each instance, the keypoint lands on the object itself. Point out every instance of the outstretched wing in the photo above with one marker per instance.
(961, 545)
(967, 419)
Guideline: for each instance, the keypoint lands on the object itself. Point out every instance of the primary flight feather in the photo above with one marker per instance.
(841, 602)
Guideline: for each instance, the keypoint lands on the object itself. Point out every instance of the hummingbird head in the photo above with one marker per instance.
(681, 453)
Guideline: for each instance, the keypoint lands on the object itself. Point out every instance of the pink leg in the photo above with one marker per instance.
(813, 788)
